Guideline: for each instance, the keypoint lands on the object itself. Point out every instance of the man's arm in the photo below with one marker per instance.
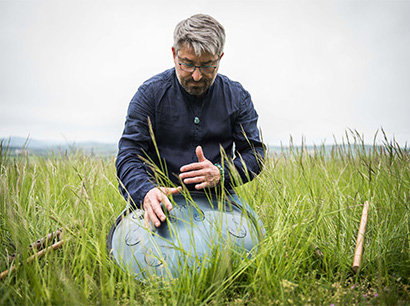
(135, 141)
(136, 184)
(249, 149)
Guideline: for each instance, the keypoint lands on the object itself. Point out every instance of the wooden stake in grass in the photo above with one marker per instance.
(40, 254)
(360, 238)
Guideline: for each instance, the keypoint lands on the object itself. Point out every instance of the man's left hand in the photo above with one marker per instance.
(203, 173)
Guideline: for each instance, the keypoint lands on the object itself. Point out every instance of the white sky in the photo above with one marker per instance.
(315, 69)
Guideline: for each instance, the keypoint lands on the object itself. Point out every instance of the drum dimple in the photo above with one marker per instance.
(153, 260)
(133, 237)
(137, 215)
(236, 229)
(172, 218)
(199, 216)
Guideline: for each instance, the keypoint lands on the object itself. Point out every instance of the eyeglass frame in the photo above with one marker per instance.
(199, 67)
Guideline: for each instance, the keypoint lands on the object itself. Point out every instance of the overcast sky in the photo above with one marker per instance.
(315, 69)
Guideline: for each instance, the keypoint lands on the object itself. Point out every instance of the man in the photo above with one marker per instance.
(186, 120)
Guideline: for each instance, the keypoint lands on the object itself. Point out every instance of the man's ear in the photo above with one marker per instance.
(174, 53)
(221, 56)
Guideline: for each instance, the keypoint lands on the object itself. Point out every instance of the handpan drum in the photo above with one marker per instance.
(197, 225)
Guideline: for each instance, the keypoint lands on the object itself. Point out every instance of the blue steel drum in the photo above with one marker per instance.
(194, 228)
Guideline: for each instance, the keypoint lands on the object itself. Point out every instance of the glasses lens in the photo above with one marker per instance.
(207, 69)
(191, 68)
(187, 67)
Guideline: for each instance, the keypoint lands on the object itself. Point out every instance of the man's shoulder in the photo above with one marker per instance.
(225, 81)
(164, 78)
(231, 88)
(155, 86)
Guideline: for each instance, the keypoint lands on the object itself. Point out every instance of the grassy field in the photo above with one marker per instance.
(309, 200)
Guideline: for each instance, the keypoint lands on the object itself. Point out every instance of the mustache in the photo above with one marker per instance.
(191, 80)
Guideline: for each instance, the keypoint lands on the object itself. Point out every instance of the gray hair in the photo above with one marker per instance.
(202, 33)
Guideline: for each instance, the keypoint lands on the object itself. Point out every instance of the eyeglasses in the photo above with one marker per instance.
(206, 69)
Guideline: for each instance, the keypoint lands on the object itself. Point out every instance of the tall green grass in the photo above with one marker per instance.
(309, 200)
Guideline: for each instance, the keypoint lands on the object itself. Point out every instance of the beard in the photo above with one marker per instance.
(195, 88)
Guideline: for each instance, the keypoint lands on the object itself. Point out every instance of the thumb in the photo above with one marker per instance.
(169, 191)
(200, 154)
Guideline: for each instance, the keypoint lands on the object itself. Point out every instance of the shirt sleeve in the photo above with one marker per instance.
(249, 149)
(132, 171)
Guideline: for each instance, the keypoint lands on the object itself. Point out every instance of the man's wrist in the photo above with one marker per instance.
(221, 173)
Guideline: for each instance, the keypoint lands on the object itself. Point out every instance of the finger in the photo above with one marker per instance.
(190, 167)
(168, 192)
(200, 154)
(152, 216)
(146, 219)
(167, 203)
(201, 186)
(176, 190)
(196, 179)
(159, 213)
(191, 174)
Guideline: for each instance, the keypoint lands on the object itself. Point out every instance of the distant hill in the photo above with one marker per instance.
(16, 145)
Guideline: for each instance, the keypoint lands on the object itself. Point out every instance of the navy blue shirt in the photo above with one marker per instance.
(224, 115)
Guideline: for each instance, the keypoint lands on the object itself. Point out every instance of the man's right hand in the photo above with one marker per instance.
(152, 204)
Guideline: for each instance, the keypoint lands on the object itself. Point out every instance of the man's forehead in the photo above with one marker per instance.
(189, 54)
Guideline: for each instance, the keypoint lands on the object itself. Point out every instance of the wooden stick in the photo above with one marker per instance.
(42, 242)
(360, 238)
(40, 254)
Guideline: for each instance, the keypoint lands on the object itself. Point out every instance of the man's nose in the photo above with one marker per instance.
(197, 75)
